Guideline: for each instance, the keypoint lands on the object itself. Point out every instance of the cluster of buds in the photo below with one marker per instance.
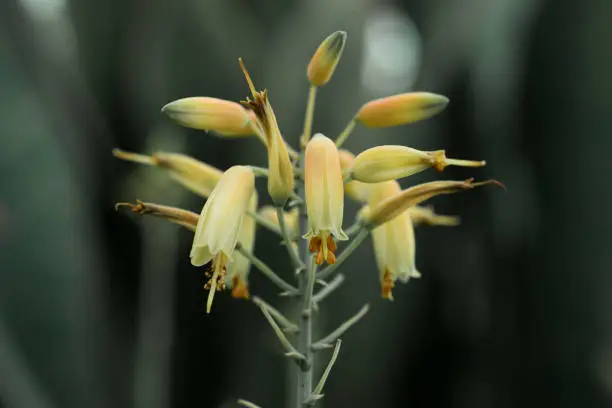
(309, 182)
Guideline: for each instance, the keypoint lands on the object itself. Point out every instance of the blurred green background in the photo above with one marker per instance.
(103, 309)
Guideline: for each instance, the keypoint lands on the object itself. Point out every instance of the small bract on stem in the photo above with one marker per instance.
(307, 188)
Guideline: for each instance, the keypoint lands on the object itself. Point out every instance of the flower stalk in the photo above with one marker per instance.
(308, 189)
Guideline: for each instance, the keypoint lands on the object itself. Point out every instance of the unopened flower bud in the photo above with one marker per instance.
(426, 215)
(395, 205)
(193, 174)
(401, 109)
(324, 61)
(324, 198)
(384, 163)
(356, 190)
(205, 113)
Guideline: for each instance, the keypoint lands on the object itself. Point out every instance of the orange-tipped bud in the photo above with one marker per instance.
(324, 61)
(204, 113)
(384, 163)
(401, 109)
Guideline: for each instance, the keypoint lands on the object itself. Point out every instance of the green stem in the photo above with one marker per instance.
(305, 319)
(267, 271)
(298, 265)
(345, 133)
(312, 95)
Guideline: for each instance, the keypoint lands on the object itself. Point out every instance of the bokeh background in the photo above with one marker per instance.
(102, 309)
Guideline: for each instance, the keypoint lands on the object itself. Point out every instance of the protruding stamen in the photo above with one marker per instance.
(213, 284)
(387, 285)
(314, 245)
(248, 77)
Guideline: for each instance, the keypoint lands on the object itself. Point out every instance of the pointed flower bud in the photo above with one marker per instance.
(206, 113)
(220, 223)
(401, 109)
(356, 190)
(324, 198)
(193, 174)
(324, 61)
(384, 163)
(391, 207)
(280, 177)
(394, 243)
(426, 215)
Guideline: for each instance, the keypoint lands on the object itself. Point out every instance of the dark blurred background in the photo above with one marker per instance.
(102, 309)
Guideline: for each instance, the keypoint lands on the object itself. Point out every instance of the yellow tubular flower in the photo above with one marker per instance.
(384, 163)
(193, 174)
(207, 113)
(237, 277)
(324, 198)
(426, 215)
(356, 190)
(401, 109)
(394, 243)
(324, 61)
(280, 178)
(220, 223)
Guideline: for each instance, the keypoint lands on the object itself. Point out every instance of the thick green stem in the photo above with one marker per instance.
(305, 317)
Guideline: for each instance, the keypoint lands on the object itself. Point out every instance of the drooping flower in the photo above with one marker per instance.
(384, 163)
(280, 178)
(401, 109)
(199, 177)
(394, 243)
(220, 223)
(324, 198)
(324, 61)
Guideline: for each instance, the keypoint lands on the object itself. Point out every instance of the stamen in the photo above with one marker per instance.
(319, 259)
(331, 244)
(247, 76)
(387, 285)
(314, 245)
(331, 258)
(213, 285)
